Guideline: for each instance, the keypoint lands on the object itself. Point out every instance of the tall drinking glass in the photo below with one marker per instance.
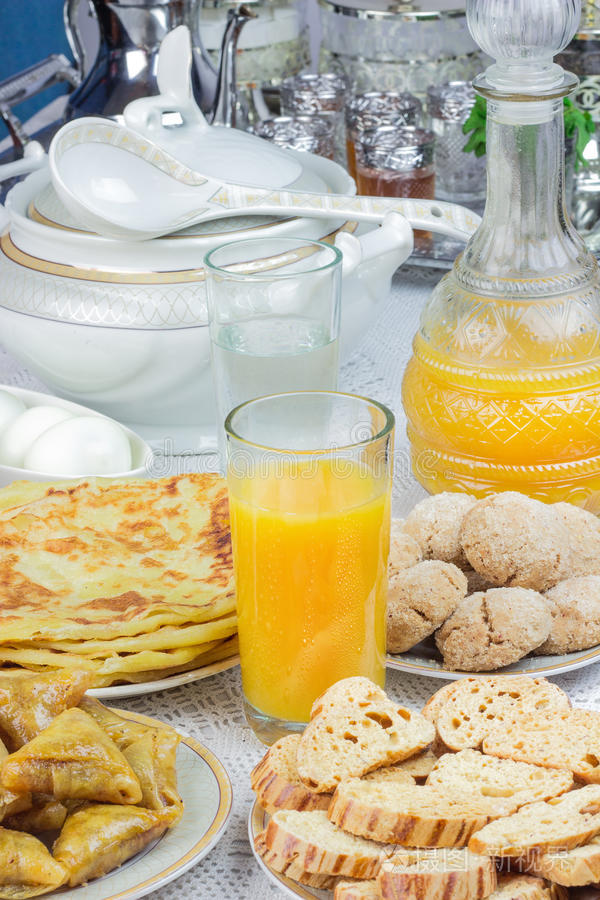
(309, 477)
(274, 314)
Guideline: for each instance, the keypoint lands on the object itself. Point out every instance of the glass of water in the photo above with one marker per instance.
(274, 316)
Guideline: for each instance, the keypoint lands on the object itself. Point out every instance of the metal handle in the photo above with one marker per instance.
(29, 82)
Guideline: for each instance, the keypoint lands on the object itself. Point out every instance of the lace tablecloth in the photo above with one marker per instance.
(211, 710)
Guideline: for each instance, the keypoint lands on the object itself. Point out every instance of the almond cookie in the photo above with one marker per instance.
(584, 532)
(404, 550)
(515, 541)
(575, 609)
(420, 599)
(435, 523)
(494, 628)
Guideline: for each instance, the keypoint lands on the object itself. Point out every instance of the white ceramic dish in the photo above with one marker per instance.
(141, 454)
(206, 791)
(257, 822)
(119, 691)
(424, 659)
(122, 327)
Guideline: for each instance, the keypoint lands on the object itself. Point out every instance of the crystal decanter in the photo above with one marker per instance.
(503, 388)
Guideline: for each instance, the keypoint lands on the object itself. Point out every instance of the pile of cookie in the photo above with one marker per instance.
(494, 579)
(492, 791)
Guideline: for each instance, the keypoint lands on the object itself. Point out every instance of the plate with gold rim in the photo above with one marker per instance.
(205, 788)
(425, 659)
(120, 691)
(257, 822)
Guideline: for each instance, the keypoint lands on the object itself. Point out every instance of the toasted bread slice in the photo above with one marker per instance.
(415, 768)
(436, 875)
(557, 739)
(276, 782)
(356, 890)
(318, 846)
(572, 868)
(526, 887)
(293, 869)
(354, 729)
(432, 708)
(519, 782)
(412, 815)
(477, 706)
(557, 824)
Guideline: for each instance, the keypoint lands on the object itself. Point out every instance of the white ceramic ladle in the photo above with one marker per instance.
(121, 184)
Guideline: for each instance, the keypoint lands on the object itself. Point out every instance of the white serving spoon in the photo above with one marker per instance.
(120, 184)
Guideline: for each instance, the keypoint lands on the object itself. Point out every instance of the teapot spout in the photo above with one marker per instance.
(225, 103)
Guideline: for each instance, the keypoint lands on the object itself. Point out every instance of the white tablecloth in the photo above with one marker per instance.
(210, 710)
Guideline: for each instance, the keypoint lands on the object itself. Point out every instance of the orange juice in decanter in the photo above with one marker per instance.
(503, 388)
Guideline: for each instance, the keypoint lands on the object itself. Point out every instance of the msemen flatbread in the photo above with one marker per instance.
(118, 577)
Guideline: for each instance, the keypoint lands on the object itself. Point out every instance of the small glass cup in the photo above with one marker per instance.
(309, 478)
(274, 317)
(308, 94)
(460, 176)
(396, 161)
(374, 109)
(314, 134)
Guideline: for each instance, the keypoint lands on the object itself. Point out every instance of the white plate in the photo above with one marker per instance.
(206, 791)
(257, 822)
(424, 659)
(119, 691)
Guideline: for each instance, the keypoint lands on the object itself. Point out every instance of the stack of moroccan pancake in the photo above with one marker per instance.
(131, 581)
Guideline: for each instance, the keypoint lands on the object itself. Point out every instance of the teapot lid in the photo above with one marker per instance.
(174, 121)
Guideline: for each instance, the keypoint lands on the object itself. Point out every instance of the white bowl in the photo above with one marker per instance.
(141, 454)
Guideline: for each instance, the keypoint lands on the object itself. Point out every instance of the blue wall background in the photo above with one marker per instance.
(29, 31)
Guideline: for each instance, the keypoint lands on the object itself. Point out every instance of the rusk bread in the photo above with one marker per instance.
(412, 815)
(418, 766)
(521, 783)
(526, 887)
(436, 875)
(477, 705)
(432, 708)
(319, 847)
(356, 890)
(572, 868)
(354, 729)
(557, 824)
(292, 869)
(276, 782)
(557, 739)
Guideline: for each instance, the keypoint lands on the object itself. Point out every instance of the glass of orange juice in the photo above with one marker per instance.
(309, 477)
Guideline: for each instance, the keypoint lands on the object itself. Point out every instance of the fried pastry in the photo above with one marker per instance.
(122, 731)
(26, 867)
(97, 838)
(29, 702)
(72, 758)
(45, 814)
(152, 758)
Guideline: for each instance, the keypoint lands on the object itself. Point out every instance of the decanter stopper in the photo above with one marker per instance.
(523, 36)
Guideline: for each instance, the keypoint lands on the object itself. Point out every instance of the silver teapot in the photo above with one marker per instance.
(125, 67)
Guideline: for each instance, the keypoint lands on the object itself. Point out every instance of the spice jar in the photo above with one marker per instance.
(374, 109)
(308, 95)
(314, 134)
(460, 177)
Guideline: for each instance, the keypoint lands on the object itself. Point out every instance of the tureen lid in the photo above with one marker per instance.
(410, 9)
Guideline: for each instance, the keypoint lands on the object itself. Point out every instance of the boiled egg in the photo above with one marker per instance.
(84, 445)
(10, 407)
(21, 433)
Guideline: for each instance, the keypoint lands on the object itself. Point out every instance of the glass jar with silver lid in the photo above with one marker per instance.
(373, 109)
(401, 46)
(460, 176)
